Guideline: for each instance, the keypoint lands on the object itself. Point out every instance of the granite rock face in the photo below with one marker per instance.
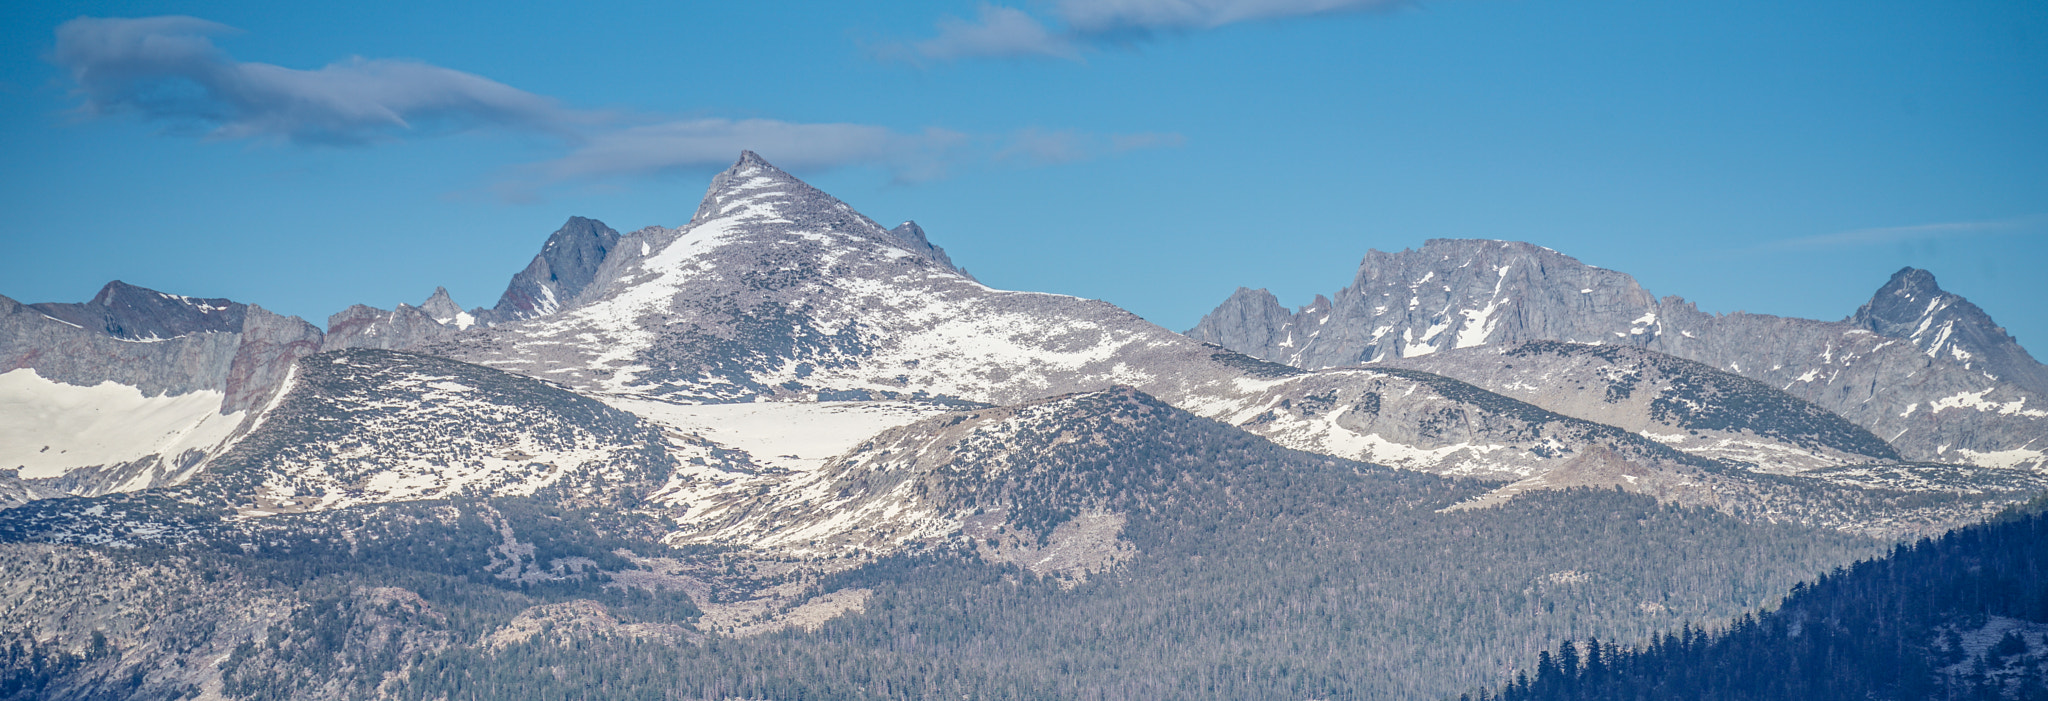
(435, 320)
(1450, 294)
(270, 343)
(76, 354)
(444, 310)
(1930, 403)
(912, 237)
(144, 393)
(567, 264)
(1252, 321)
(362, 326)
(133, 313)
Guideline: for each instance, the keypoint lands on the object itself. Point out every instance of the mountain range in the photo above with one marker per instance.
(783, 417)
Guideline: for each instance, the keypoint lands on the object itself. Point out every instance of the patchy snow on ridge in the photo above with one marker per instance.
(2015, 458)
(1975, 400)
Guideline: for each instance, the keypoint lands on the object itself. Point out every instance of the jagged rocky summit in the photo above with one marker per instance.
(1944, 325)
(567, 263)
(1921, 368)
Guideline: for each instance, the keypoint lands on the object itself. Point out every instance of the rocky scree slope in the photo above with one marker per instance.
(368, 426)
(1686, 405)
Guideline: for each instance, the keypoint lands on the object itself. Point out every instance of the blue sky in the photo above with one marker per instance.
(1772, 157)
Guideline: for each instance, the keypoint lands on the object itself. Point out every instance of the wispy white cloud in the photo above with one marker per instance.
(998, 32)
(686, 145)
(167, 70)
(1902, 234)
(1006, 32)
(1111, 17)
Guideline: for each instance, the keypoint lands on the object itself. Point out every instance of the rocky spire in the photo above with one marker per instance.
(911, 236)
(567, 264)
(441, 306)
(1251, 322)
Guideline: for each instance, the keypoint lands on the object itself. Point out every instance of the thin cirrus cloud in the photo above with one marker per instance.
(1906, 234)
(1040, 147)
(167, 70)
(1006, 32)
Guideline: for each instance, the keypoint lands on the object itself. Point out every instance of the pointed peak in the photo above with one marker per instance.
(441, 306)
(1911, 282)
(119, 292)
(1908, 305)
(567, 263)
(911, 236)
(749, 159)
(1261, 295)
(911, 232)
(752, 165)
(114, 289)
(583, 227)
(753, 178)
(1946, 326)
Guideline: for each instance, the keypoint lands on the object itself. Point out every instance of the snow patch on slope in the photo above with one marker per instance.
(789, 435)
(48, 428)
(1976, 401)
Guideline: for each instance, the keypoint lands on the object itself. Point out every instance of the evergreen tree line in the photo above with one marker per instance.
(1888, 628)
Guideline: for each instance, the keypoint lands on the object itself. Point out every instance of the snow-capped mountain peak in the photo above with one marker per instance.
(755, 189)
(1912, 306)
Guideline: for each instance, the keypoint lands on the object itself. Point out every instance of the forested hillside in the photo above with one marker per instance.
(1963, 616)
